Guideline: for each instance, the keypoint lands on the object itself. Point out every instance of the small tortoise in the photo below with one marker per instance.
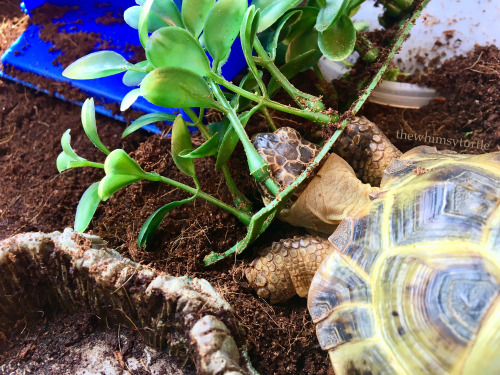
(409, 281)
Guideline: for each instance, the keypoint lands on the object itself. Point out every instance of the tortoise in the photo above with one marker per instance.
(409, 281)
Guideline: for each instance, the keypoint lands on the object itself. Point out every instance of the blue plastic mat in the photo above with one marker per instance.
(31, 54)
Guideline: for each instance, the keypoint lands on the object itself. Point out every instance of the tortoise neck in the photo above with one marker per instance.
(367, 150)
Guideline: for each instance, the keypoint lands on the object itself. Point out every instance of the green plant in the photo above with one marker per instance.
(179, 74)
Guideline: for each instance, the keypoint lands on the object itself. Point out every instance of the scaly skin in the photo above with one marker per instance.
(287, 268)
(367, 150)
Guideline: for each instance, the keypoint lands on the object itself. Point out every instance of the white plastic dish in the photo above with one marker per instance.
(394, 94)
(402, 95)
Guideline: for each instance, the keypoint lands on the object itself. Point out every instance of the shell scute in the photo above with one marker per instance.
(336, 283)
(362, 358)
(431, 304)
(449, 202)
(350, 324)
(360, 238)
(492, 240)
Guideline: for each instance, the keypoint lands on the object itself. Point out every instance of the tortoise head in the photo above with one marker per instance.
(329, 196)
(362, 144)
(286, 153)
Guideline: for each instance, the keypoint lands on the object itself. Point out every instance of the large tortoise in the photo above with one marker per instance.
(409, 281)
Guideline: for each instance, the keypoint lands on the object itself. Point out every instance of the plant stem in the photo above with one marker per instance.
(86, 163)
(269, 119)
(239, 198)
(197, 122)
(95, 165)
(258, 167)
(242, 216)
(279, 76)
(365, 48)
(317, 117)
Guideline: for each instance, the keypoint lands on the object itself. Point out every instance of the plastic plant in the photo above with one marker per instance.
(185, 50)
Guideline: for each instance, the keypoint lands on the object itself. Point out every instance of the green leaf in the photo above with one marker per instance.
(294, 66)
(134, 78)
(206, 149)
(404, 4)
(248, 83)
(154, 22)
(261, 4)
(219, 128)
(168, 12)
(142, 25)
(162, 13)
(67, 158)
(361, 26)
(247, 35)
(118, 162)
(353, 8)
(271, 11)
(194, 14)
(305, 23)
(222, 28)
(114, 182)
(248, 30)
(130, 99)
(337, 42)
(288, 19)
(97, 65)
(131, 78)
(229, 142)
(63, 162)
(175, 87)
(181, 141)
(154, 221)
(86, 208)
(173, 46)
(66, 146)
(330, 13)
(303, 43)
(146, 120)
(89, 125)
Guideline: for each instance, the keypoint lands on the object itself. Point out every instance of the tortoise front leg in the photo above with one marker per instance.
(367, 150)
(287, 268)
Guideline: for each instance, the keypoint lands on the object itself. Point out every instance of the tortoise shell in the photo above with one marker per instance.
(412, 286)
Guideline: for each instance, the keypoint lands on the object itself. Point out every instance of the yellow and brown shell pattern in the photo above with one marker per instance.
(413, 284)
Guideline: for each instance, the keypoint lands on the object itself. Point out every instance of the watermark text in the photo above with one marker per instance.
(450, 142)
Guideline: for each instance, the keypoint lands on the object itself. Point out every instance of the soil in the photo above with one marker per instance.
(466, 113)
(280, 338)
(78, 344)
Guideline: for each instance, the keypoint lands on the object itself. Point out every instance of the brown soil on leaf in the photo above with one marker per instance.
(281, 339)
